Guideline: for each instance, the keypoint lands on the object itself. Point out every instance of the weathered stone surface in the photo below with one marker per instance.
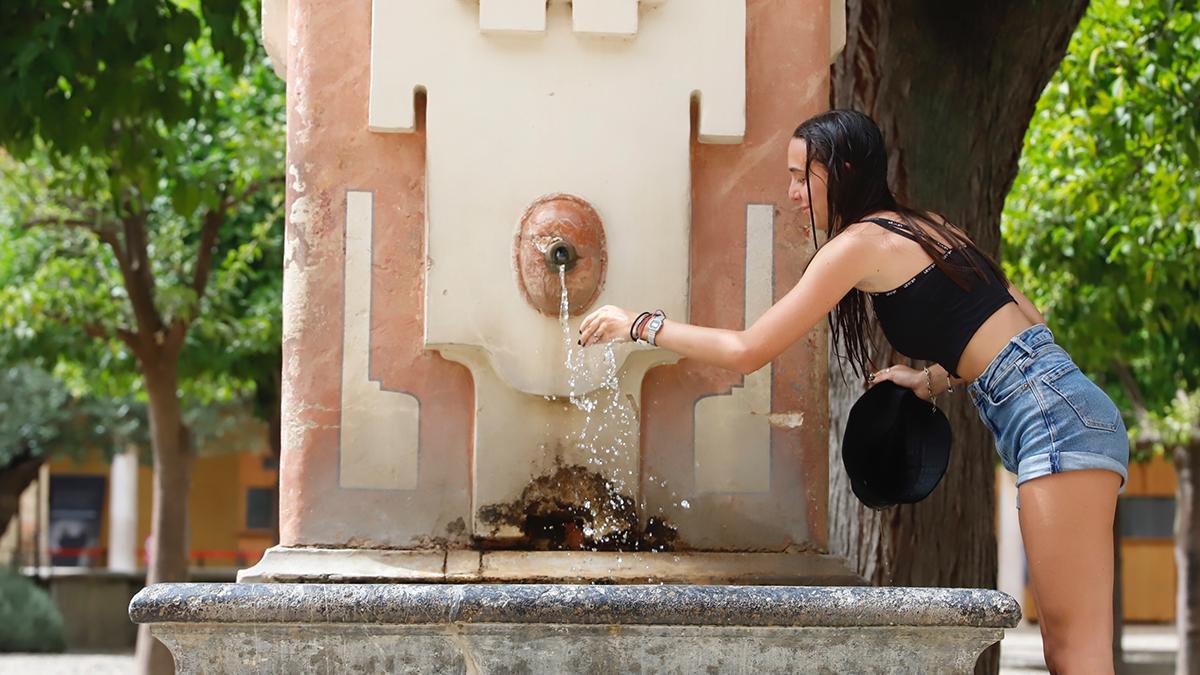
(564, 650)
(475, 628)
(338, 565)
(573, 604)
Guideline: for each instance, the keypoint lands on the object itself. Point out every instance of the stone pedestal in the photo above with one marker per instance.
(482, 628)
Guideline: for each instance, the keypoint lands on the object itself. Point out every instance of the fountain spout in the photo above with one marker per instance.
(560, 231)
(561, 253)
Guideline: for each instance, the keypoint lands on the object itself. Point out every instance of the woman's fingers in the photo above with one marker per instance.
(592, 326)
(887, 374)
(603, 325)
(902, 375)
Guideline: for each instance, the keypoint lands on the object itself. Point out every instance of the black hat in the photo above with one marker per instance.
(896, 446)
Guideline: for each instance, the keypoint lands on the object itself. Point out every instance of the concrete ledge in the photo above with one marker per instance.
(560, 629)
(319, 565)
(573, 604)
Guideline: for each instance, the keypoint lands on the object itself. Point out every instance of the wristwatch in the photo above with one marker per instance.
(653, 327)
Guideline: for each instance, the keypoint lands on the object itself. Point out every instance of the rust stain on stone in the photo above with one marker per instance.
(576, 509)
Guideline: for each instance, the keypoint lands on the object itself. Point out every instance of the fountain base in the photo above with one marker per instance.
(318, 565)
(532, 628)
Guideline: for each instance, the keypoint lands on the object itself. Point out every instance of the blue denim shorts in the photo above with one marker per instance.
(1046, 415)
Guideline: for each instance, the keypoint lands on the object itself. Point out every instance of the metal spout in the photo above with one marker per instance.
(561, 253)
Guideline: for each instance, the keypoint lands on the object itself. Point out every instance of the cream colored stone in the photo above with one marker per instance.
(463, 565)
(379, 429)
(283, 563)
(837, 28)
(273, 16)
(512, 16)
(733, 432)
(514, 118)
(605, 17)
(519, 437)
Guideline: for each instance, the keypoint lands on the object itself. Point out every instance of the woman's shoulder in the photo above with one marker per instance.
(928, 222)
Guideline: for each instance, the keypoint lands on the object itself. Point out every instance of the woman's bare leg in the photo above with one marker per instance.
(1067, 524)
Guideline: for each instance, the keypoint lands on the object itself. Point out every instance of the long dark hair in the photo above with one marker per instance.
(850, 147)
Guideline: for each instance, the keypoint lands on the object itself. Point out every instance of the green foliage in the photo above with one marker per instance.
(29, 621)
(39, 416)
(81, 74)
(1102, 227)
(191, 130)
(1177, 425)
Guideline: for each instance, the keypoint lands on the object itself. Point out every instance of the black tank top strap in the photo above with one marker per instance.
(903, 230)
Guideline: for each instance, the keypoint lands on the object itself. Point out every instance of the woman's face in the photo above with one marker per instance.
(803, 184)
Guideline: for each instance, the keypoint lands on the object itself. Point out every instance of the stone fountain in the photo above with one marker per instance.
(464, 489)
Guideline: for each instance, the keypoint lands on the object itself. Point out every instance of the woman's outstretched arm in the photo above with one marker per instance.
(834, 271)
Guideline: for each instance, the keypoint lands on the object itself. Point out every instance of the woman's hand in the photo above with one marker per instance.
(607, 324)
(904, 376)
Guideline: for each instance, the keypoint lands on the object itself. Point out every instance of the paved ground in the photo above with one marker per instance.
(66, 664)
(1150, 650)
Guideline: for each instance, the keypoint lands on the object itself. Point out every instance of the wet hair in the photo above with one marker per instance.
(849, 145)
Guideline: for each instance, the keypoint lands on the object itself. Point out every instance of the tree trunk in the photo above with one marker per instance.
(1118, 599)
(1187, 558)
(168, 548)
(14, 478)
(953, 86)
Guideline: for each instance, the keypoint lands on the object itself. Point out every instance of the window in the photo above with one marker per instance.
(260, 508)
(76, 503)
(1147, 517)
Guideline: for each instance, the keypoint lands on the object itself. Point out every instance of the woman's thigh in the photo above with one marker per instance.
(1067, 524)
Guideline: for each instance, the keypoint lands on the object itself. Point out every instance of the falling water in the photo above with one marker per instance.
(608, 430)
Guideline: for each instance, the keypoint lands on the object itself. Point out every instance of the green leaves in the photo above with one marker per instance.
(39, 414)
(75, 73)
(130, 125)
(1102, 227)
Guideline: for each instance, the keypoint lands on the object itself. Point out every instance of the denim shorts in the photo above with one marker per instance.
(1046, 415)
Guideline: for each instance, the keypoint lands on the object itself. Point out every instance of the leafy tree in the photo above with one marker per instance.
(39, 417)
(1102, 230)
(141, 208)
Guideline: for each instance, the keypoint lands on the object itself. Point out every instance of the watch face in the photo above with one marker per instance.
(656, 323)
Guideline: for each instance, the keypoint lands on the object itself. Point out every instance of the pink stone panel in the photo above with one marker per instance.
(787, 81)
(330, 152)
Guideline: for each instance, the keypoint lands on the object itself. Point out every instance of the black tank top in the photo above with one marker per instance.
(931, 317)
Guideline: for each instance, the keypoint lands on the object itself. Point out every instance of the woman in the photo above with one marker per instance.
(939, 299)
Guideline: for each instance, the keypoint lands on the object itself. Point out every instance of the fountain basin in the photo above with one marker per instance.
(563, 628)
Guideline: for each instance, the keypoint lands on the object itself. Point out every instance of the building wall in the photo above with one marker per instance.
(1148, 562)
(217, 505)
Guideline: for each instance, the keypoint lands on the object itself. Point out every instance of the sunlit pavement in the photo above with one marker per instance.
(1149, 650)
(66, 664)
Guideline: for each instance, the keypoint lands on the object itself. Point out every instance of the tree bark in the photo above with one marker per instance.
(1118, 596)
(1187, 558)
(953, 86)
(168, 548)
(14, 478)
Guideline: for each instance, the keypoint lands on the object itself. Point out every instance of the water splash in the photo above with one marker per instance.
(608, 433)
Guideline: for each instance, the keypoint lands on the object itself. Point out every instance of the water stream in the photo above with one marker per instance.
(608, 431)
